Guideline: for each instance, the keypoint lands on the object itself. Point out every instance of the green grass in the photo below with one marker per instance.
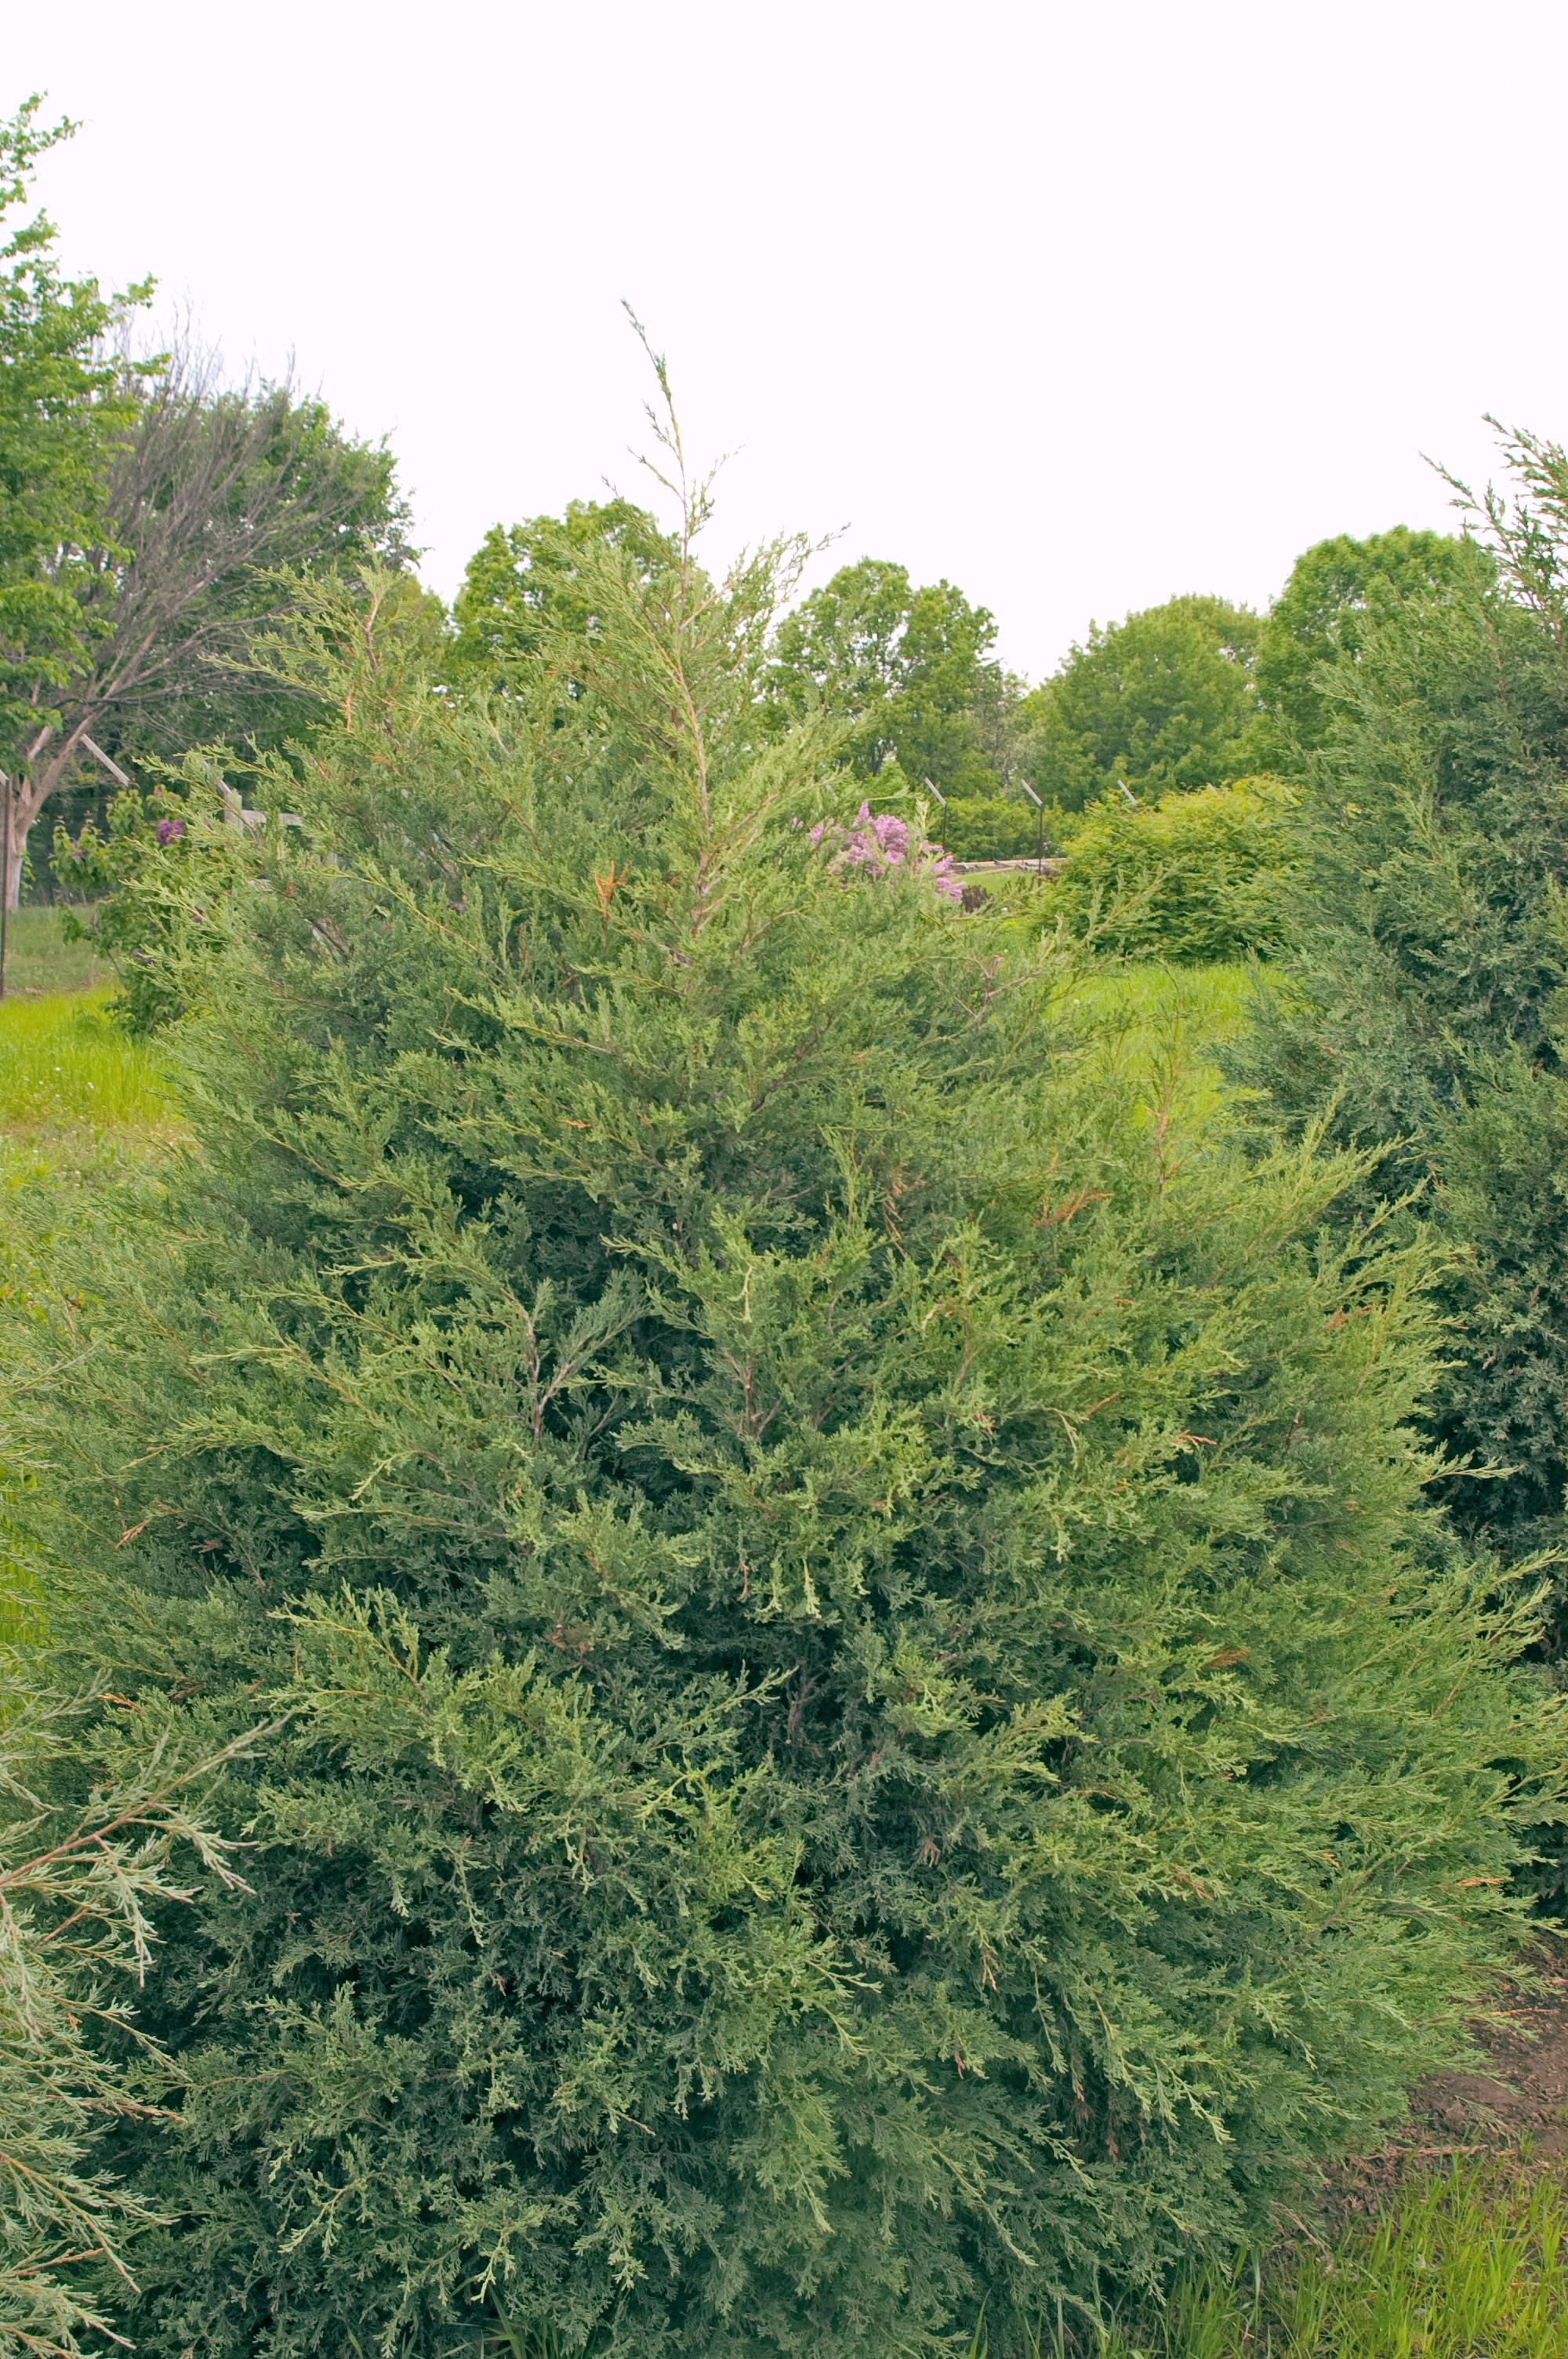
(67, 1067)
(1466, 2265)
(39, 958)
(76, 1094)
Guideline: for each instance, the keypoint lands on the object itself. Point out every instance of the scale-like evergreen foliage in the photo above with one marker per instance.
(77, 1885)
(1429, 961)
(873, 1718)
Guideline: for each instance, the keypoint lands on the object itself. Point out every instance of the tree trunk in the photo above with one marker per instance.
(18, 854)
(26, 806)
(28, 796)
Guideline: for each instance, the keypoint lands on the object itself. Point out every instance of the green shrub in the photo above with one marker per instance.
(871, 1709)
(988, 827)
(157, 880)
(1193, 877)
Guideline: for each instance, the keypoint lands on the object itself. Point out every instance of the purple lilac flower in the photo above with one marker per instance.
(878, 845)
(168, 829)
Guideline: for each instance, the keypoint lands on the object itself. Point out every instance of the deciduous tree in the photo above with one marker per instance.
(909, 670)
(1163, 701)
(1335, 593)
(64, 399)
(523, 589)
(218, 503)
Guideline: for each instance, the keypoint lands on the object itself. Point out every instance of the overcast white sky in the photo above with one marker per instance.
(1079, 306)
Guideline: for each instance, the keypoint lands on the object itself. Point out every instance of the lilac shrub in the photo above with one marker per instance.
(881, 844)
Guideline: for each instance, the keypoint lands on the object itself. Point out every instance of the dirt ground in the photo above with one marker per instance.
(1521, 2099)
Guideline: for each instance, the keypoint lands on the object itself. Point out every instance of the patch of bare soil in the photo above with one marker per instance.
(1517, 2098)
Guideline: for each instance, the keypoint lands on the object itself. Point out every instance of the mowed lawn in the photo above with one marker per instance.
(66, 1066)
(40, 958)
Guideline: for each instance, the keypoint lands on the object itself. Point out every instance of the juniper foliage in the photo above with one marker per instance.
(82, 1882)
(872, 1712)
(1427, 969)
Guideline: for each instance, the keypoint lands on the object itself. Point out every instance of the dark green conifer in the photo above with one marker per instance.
(1423, 1013)
(875, 1718)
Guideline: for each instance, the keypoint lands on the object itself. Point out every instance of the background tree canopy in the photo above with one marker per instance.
(155, 524)
(1335, 594)
(1164, 699)
(909, 670)
(63, 401)
(523, 589)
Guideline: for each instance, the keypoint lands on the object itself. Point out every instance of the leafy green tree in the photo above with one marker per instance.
(910, 673)
(280, 494)
(871, 1711)
(1428, 973)
(523, 588)
(220, 504)
(63, 401)
(1335, 593)
(1163, 701)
